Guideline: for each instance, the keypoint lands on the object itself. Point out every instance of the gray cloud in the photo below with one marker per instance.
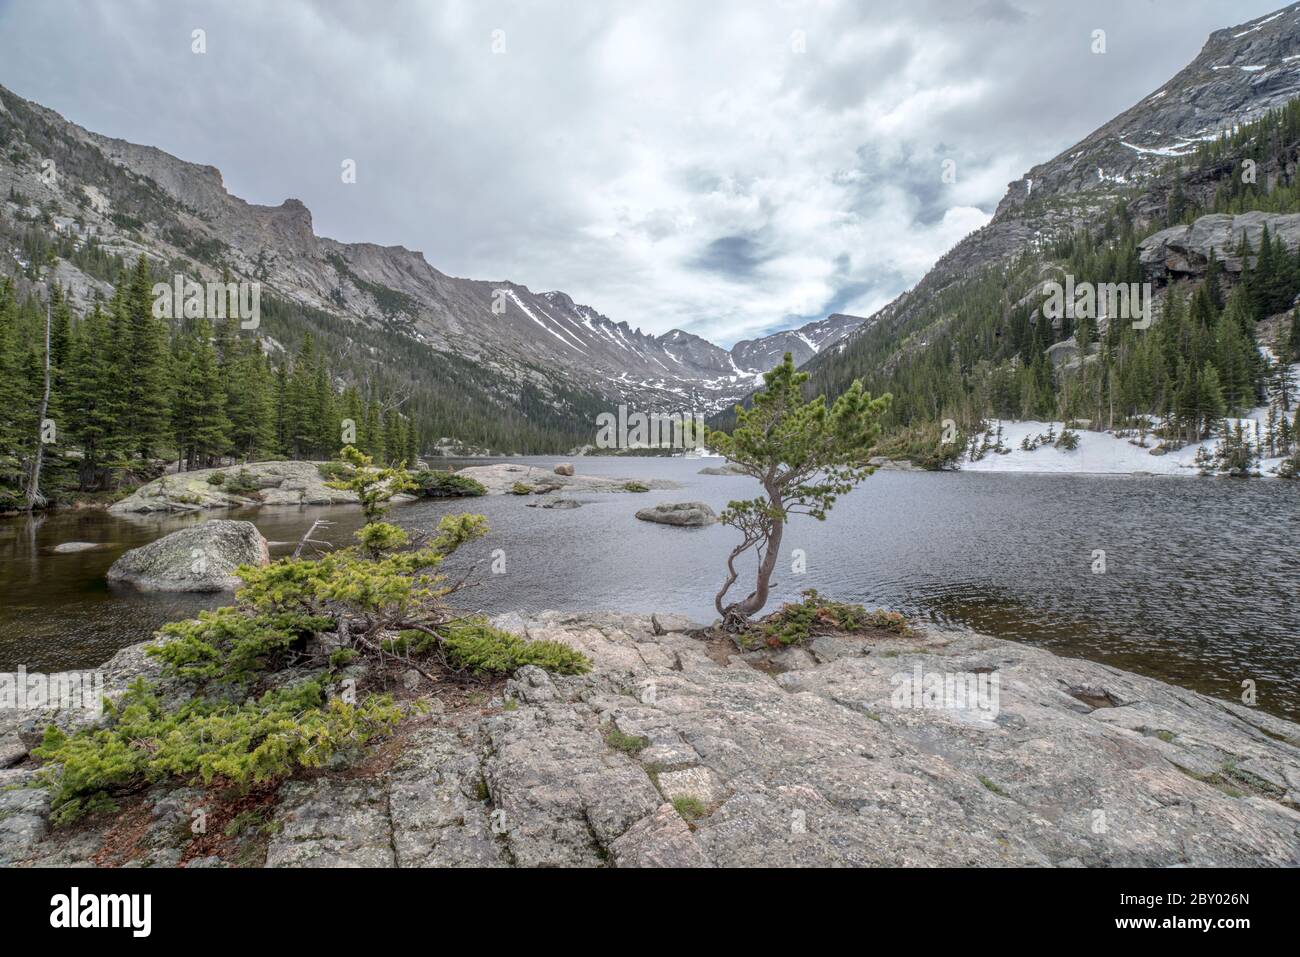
(733, 256)
(719, 167)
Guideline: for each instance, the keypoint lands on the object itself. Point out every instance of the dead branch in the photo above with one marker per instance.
(307, 539)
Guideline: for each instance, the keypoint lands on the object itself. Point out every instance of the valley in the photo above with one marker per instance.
(314, 553)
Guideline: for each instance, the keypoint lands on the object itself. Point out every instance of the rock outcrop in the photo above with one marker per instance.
(240, 486)
(1182, 252)
(675, 751)
(686, 514)
(202, 558)
(502, 478)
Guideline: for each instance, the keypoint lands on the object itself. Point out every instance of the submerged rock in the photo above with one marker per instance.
(731, 468)
(556, 502)
(685, 514)
(68, 547)
(201, 558)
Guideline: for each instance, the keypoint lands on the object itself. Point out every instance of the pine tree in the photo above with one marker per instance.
(412, 444)
(393, 443)
(250, 403)
(1210, 405)
(61, 328)
(283, 437)
(143, 362)
(11, 390)
(324, 416)
(301, 423)
(93, 400)
(374, 435)
(198, 408)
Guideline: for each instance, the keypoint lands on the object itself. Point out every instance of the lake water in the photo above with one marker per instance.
(1200, 586)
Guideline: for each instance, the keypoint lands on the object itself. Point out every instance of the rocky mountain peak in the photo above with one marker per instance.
(1240, 73)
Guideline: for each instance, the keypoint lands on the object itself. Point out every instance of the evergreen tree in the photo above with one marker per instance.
(93, 400)
(250, 402)
(198, 408)
(143, 355)
(11, 389)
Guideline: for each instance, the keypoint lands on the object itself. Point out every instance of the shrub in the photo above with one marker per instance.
(335, 471)
(432, 484)
(1069, 440)
(923, 446)
(228, 642)
(519, 488)
(1290, 468)
(796, 623)
(254, 742)
(243, 483)
(374, 486)
(635, 487)
(217, 478)
(385, 582)
(691, 809)
(342, 657)
(627, 743)
(477, 647)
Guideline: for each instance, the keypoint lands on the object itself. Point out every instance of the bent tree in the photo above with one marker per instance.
(804, 455)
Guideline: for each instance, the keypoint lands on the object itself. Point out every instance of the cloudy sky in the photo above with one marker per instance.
(729, 167)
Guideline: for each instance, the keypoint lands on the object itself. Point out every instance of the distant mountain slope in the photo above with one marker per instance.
(568, 356)
(1146, 166)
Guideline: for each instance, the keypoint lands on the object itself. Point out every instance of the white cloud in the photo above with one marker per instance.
(669, 163)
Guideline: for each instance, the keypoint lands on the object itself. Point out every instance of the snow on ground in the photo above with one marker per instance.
(1105, 453)
(1098, 452)
(1102, 453)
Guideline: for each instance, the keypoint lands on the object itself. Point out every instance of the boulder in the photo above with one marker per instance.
(202, 558)
(564, 468)
(1063, 351)
(686, 514)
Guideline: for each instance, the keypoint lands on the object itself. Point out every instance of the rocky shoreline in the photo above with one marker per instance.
(238, 486)
(292, 483)
(513, 478)
(677, 751)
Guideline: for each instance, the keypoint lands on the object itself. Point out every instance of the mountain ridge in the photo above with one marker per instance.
(1241, 74)
(177, 211)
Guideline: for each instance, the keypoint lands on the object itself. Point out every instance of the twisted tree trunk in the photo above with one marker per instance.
(756, 599)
